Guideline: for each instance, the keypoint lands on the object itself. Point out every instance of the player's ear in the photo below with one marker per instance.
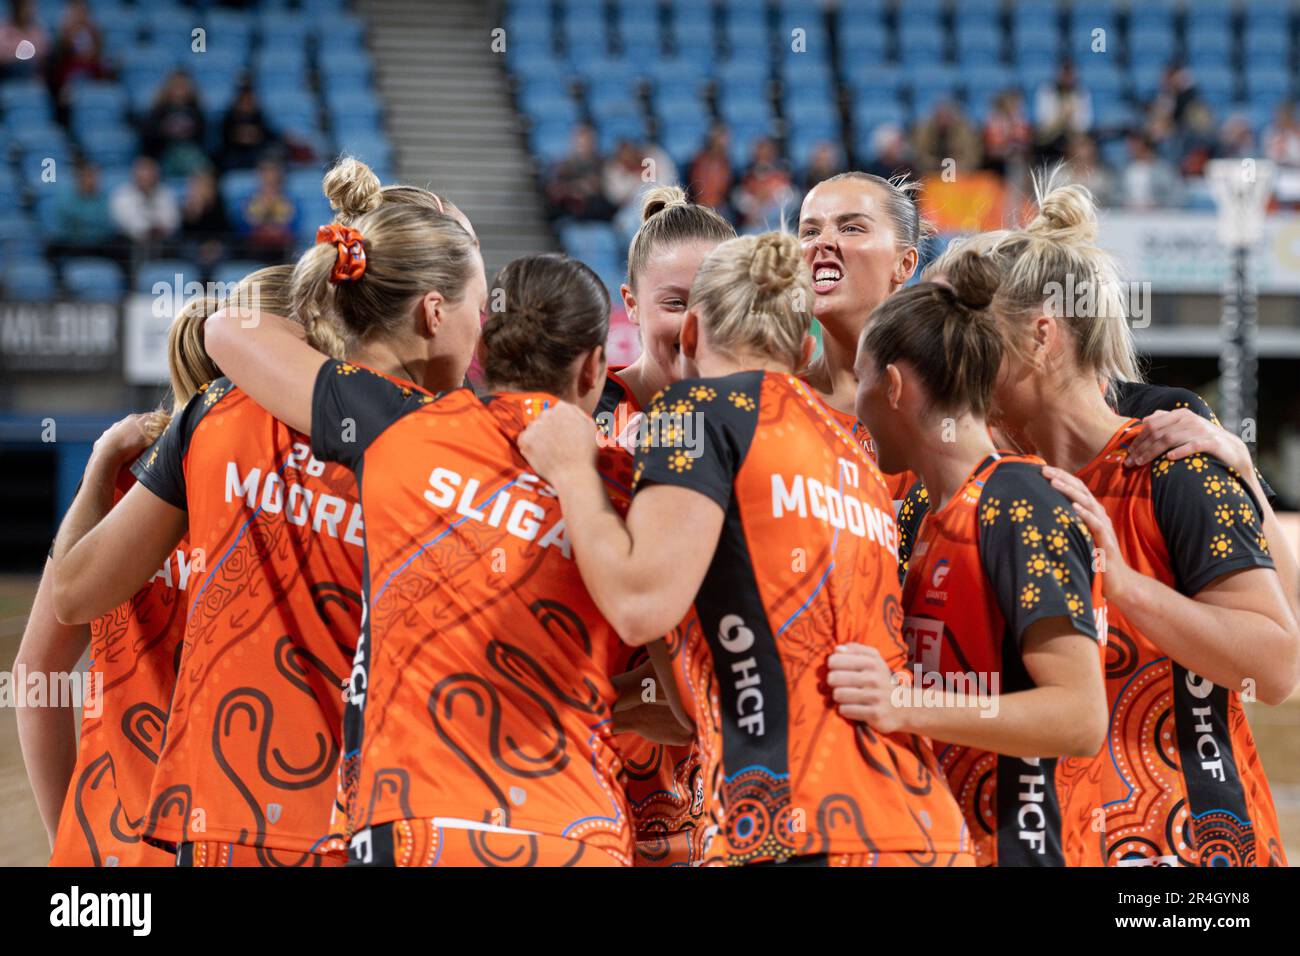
(629, 303)
(430, 312)
(905, 267)
(894, 388)
(690, 335)
(591, 371)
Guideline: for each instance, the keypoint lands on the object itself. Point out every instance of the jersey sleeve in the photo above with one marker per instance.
(696, 433)
(161, 468)
(1037, 555)
(910, 515)
(1209, 519)
(351, 406)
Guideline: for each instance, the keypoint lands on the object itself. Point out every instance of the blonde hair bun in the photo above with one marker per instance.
(352, 188)
(660, 198)
(774, 266)
(1065, 214)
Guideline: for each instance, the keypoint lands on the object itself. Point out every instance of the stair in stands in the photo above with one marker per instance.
(451, 119)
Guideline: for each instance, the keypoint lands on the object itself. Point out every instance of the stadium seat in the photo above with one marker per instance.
(92, 279)
(165, 271)
(228, 274)
(28, 279)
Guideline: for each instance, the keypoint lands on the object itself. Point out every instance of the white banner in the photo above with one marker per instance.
(1180, 251)
(144, 341)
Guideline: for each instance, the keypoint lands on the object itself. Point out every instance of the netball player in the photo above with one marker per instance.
(248, 771)
(791, 551)
(1003, 617)
(667, 785)
(674, 237)
(861, 237)
(93, 794)
(1197, 614)
(490, 745)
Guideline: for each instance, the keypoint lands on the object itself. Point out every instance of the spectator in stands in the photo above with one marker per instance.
(825, 161)
(1008, 136)
(710, 175)
(1086, 169)
(83, 224)
(205, 227)
(946, 135)
(1282, 138)
(1176, 93)
(889, 152)
(765, 193)
(1236, 139)
(1195, 141)
(78, 49)
(573, 187)
(144, 209)
(21, 27)
(174, 128)
(267, 220)
(1061, 107)
(246, 136)
(1148, 180)
(624, 174)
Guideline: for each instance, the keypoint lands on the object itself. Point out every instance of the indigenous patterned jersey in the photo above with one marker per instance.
(481, 687)
(1004, 552)
(896, 485)
(133, 655)
(252, 747)
(1131, 399)
(1182, 783)
(805, 561)
(665, 785)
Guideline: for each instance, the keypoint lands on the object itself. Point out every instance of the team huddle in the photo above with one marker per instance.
(960, 589)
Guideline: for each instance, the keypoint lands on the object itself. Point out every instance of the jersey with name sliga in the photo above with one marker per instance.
(1182, 782)
(1005, 552)
(481, 693)
(805, 561)
(132, 670)
(252, 748)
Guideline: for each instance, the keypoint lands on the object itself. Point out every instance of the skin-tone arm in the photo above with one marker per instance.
(48, 735)
(639, 575)
(1063, 715)
(1180, 433)
(652, 718)
(89, 579)
(1238, 629)
(266, 356)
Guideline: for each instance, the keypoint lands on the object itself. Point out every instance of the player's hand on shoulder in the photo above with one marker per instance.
(123, 440)
(862, 687)
(559, 440)
(1180, 433)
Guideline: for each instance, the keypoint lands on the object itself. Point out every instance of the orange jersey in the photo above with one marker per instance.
(897, 485)
(252, 749)
(132, 668)
(481, 693)
(805, 561)
(1005, 552)
(665, 784)
(1182, 781)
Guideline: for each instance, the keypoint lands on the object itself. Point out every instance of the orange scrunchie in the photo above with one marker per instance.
(351, 263)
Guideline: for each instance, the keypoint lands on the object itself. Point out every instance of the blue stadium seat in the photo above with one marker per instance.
(113, 145)
(979, 45)
(231, 272)
(866, 78)
(28, 279)
(680, 74)
(1151, 46)
(1268, 45)
(165, 271)
(1217, 86)
(550, 140)
(682, 140)
(105, 99)
(862, 40)
(92, 279)
(545, 104)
